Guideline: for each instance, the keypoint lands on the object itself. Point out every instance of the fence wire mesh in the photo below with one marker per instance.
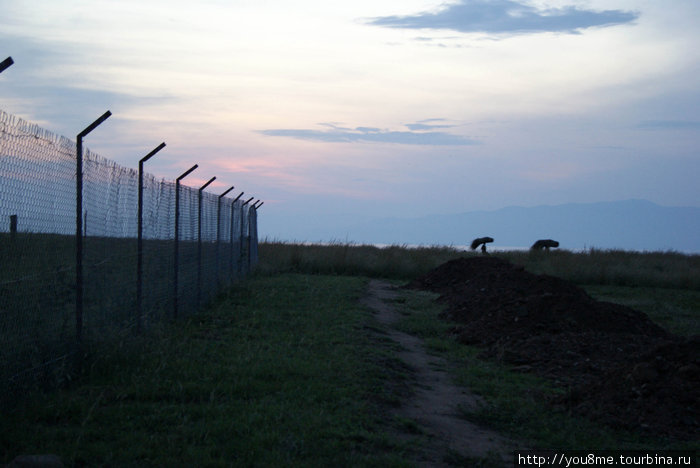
(217, 245)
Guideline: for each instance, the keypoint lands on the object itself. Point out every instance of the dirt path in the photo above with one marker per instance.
(435, 403)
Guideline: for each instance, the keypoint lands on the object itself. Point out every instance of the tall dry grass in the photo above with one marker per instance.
(595, 266)
(352, 259)
(615, 267)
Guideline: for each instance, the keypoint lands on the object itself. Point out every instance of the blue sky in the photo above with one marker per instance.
(333, 112)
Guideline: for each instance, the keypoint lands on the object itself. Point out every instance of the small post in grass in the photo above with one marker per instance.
(13, 227)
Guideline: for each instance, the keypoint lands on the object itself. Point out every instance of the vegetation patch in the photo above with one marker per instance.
(281, 371)
(288, 369)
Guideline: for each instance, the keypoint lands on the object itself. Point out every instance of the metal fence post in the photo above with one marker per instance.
(240, 252)
(218, 232)
(79, 225)
(199, 240)
(139, 248)
(250, 234)
(257, 255)
(177, 236)
(233, 206)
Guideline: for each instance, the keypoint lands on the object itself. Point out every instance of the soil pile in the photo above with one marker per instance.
(623, 369)
(659, 392)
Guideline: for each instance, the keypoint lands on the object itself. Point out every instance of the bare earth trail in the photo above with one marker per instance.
(435, 402)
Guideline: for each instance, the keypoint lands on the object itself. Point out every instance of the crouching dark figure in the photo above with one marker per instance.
(544, 244)
(481, 241)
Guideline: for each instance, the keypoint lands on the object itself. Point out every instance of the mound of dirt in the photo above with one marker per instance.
(659, 391)
(548, 326)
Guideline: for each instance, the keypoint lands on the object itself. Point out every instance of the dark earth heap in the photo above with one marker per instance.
(620, 367)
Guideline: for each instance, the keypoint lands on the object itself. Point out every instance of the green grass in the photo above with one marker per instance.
(37, 296)
(288, 369)
(676, 310)
(281, 372)
(664, 285)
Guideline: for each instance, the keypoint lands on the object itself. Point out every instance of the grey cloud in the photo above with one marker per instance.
(337, 134)
(424, 125)
(505, 16)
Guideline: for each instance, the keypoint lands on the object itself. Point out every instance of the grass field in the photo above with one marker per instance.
(664, 285)
(287, 369)
(602, 267)
(37, 296)
(280, 372)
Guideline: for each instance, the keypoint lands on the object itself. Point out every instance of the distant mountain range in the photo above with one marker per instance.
(629, 225)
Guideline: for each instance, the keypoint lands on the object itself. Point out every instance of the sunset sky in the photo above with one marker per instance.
(333, 112)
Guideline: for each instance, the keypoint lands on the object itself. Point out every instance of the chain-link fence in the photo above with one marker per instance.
(39, 324)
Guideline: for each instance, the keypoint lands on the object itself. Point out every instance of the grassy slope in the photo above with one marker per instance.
(664, 285)
(283, 370)
(280, 372)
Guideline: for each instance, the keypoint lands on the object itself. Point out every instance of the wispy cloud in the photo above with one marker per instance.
(505, 17)
(299, 175)
(418, 134)
(669, 125)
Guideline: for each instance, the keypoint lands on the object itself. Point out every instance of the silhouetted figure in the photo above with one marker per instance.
(544, 244)
(481, 241)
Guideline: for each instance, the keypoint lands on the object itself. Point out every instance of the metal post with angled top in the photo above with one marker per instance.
(251, 213)
(199, 240)
(177, 235)
(218, 233)
(6, 63)
(79, 225)
(242, 240)
(233, 210)
(139, 248)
